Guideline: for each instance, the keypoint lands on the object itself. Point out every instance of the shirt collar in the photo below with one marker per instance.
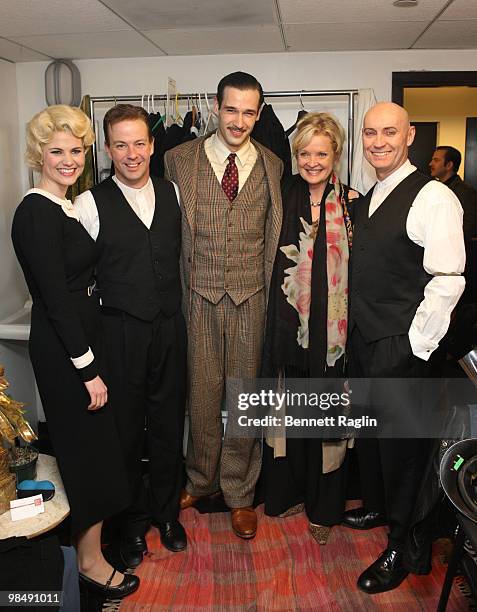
(397, 176)
(65, 204)
(132, 192)
(222, 152)
(50, 196)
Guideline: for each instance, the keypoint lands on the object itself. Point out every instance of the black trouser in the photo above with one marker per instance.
(391, 469)
(147, 386)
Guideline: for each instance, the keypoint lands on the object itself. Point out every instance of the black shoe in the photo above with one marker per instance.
(128, 585)
(173, 535)
(132, 549)
(385, 574)
(360, 518)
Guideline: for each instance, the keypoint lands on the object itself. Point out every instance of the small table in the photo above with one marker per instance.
(56, 510)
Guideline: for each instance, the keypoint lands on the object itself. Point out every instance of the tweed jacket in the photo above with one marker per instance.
(182, 166)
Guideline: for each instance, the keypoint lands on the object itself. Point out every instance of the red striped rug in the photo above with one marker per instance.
(282, 569)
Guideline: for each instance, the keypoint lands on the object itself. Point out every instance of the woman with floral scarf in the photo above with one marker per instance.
(307, 321)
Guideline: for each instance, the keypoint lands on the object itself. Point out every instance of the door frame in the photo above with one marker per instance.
(401, 80)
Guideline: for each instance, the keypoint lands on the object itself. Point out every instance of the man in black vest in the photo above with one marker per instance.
(408, 257)
(136, 222)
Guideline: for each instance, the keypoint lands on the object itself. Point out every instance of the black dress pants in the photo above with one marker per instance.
(147, 385)
(391, 469)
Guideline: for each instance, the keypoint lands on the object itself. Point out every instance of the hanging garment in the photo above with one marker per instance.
(159, 132)
(86, 180)
(363, 175)
(189, 127)
(269, 131)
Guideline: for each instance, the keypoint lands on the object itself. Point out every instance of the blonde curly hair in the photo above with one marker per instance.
(57, 118)
(313, 124)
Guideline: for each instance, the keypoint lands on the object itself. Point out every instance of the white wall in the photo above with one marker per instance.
(12, 288)
(283, 71)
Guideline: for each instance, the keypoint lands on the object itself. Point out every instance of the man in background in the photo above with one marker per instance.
(444, 165)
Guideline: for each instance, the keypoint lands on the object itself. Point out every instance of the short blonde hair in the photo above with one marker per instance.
(313, 124)
(57, 118)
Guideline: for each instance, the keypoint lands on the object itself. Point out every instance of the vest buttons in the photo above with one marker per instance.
(156, 262)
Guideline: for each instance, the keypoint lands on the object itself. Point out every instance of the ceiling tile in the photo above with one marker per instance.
(90, 46)
(349, 11)
(261, 39)
(460, 9)
(186, 14)
(449, 35)
(17, 53)
(35, 17)
(352, 36)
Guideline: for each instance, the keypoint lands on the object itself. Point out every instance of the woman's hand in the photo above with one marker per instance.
(98, 393)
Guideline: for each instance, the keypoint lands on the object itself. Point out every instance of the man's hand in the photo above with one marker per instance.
(98, 393)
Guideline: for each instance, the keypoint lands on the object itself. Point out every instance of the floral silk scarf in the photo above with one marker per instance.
(297, 283)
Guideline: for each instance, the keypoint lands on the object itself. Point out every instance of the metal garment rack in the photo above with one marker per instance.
(303, 93)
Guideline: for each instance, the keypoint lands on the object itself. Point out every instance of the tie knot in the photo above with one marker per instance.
(231, 157)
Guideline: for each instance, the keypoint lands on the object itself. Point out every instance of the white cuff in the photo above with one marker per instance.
(83, 360)
(420, 346)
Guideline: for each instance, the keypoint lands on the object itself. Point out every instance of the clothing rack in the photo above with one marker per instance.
(302, 93)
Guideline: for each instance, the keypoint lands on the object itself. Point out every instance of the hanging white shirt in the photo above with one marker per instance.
(435, 223)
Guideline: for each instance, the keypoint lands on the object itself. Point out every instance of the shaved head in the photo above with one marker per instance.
(391, 110)
(387, 135)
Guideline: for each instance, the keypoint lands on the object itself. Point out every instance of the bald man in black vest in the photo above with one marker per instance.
(408, 257)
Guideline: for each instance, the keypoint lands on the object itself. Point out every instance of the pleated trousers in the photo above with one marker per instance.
(225, 341)
(147, 387)
(391, 469)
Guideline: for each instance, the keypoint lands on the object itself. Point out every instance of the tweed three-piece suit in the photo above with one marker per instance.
(228, 250)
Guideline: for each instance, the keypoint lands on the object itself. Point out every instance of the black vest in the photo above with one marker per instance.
(387, 276)
(138, 268)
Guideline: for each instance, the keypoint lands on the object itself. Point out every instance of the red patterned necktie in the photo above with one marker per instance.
(230, 180)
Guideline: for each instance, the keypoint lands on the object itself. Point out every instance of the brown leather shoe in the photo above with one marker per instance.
(187, 500)
(244, 522)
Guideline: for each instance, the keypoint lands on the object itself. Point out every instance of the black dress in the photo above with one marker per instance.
(57, 256)
(298, 477)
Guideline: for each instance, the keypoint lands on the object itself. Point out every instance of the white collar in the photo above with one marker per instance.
(397, 176)
(65, 204)
(132, 192)
(222, 151)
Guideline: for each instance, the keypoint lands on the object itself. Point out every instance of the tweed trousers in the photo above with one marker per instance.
(225, 341)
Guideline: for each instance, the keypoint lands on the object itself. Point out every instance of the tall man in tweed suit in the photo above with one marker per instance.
(230, 195)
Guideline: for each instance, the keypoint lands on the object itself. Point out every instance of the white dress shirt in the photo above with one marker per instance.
(435, 223)
(142, 201)
(217, 153)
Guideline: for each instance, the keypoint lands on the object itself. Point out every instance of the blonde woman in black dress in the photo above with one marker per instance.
(58, 256)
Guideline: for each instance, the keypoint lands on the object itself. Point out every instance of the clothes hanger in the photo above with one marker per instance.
(178, 118)
(210, 114)
(301, 113)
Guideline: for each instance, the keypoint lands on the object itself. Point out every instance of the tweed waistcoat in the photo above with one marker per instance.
(229, 242)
